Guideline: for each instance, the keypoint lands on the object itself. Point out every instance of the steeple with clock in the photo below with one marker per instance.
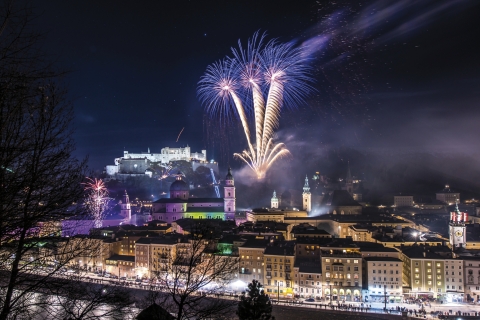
(457, 229)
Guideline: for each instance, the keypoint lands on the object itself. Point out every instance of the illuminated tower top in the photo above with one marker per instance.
(307, 196)
(229, 178)
(125, 207)
(274, 201)
(306, 187)
(457, 228)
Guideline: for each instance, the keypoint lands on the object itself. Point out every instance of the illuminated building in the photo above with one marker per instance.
(306, 197)
(138, 163)
(457, 228)
(181, 206)
(279, 259)
(274, 201)
(448, 196)
(403, 201)
(251, 264)
(384, 278)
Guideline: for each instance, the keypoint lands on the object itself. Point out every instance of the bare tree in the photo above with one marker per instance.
(40, 180)
(79, 300)
(190, 278)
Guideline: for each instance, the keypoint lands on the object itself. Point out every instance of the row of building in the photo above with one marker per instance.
(312, 265)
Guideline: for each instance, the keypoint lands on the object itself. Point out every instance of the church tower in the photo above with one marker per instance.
(307, 196)
(229, 197)
(274, 201)
(125, 209)
(457, 229)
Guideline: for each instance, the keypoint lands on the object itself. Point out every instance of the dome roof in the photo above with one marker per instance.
(179, 185)
(229, 175)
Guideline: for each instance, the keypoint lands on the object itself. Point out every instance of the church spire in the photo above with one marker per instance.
(306, 187)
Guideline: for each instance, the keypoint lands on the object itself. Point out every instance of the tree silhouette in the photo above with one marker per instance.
(255, 304)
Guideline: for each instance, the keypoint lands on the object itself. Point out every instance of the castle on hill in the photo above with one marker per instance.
(139, 164)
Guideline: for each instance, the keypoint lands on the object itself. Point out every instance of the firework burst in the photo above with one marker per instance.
(96, 199)
(263, 77)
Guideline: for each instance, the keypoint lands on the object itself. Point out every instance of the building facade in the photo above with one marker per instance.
(448, 196)
(342, 271)
(181, 206)
(384, 279)
(403, 201)
(471, 267)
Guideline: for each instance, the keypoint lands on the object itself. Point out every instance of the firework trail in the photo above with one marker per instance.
(268, 76)
(180, 134)
(96, 199)
(166, 172)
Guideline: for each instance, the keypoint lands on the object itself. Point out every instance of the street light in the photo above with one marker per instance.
(278, 292)
(385, 296)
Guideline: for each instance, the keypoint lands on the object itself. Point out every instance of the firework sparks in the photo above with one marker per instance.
(180, 134)
(165, 172)
(96, 199)
(268, 76)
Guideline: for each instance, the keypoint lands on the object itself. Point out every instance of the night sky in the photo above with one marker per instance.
(394, 74)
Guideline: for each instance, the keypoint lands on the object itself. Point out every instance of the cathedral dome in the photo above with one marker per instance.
(179, 185)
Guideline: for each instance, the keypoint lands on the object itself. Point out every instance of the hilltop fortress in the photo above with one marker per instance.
(138, 164)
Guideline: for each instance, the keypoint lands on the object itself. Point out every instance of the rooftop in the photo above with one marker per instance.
(382, 259)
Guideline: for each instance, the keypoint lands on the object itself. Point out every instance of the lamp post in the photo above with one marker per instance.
(385, 296)
(330, 294)
(278, 292)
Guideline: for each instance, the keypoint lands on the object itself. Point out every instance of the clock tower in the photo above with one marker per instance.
(457, 229)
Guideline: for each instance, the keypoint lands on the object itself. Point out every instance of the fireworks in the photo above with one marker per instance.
(268, 76)
(165, 172)
(96, 199)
